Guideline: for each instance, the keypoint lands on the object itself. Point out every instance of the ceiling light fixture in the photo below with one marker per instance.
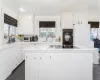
(21, 9)
(29, 17)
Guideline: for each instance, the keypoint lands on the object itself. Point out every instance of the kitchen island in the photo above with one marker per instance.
(43, 62)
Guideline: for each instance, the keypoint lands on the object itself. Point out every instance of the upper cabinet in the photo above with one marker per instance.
(80, 18)
(67, 20)
(25, 24)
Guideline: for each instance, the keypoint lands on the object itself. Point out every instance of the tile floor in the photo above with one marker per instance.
(19, 73)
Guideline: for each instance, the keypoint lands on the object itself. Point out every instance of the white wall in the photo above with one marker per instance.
(25, 25)
(0, 22)
(10, 12)
(93, 17)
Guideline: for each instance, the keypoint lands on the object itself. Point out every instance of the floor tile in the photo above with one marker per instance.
(19, 73)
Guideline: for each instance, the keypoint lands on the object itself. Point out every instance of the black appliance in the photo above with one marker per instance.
(67, 38)
(27, 38)
(34, 38)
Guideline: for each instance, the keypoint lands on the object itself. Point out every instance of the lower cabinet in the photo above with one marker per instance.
(58, 66)
(38, 67)
(9, 59)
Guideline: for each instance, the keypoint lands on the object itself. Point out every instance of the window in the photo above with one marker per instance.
(47, 31)
(9, 32)
(47, 34)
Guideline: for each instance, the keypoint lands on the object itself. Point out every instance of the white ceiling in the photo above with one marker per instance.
(54, 7)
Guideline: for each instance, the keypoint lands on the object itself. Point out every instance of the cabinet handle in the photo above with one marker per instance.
(34, 57)
(40, 58)
(50, 57)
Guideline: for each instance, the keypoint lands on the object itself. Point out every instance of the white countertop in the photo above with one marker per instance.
(41, 47)
(10, 45)
(6, 46)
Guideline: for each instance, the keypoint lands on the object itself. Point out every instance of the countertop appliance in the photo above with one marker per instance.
(27, 38)
(35, 38)
(67, 38)
(30, 38)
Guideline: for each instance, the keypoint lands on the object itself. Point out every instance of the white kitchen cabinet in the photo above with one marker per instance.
(26, 25)
(58, 66)
(66, 66)
(67, 20)
(33, 68)
(22, 46)
(45, 67)
(18, 56)
(80, 18)
(82, 35)
(10, 58)
(40, 67)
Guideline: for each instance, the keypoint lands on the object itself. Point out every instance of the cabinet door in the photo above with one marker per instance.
(72, 66)
(31, 67)
(38, 67)
(59, 65)
(45, 66)
(6, 62)
(80, 19)
(84, 37)
(67, 20)
(18, 56)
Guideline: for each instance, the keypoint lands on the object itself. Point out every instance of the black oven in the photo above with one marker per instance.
(67, 38)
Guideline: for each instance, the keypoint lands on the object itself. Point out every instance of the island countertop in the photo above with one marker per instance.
(39, 48)
(56, 63)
